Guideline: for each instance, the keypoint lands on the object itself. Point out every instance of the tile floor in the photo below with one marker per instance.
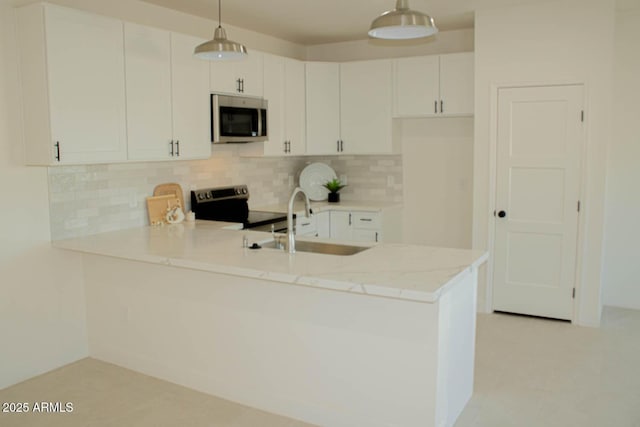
(529, 372)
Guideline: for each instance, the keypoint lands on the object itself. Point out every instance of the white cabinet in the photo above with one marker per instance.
(323, 107)
(167, 96)
(305, 226)
(340, 225)
(190, 99)
(357, 226)
(73, 86)
(365, 107)
(323, 224)
(431, 86)
(349, 107)
(239, 77)
(284, 89)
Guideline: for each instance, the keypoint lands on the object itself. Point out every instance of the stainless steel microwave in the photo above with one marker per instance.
(238, 119)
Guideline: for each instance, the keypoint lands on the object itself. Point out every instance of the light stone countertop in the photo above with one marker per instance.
(402, 271)
(343, 205)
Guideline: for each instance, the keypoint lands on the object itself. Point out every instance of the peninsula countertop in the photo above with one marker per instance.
(392, 270)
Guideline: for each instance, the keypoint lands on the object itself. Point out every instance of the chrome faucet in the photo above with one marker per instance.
(307, 207)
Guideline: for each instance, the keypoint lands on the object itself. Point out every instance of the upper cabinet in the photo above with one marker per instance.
(323, 107)
(97, 90)
(73, 85)
(190, 99)
(284, 89)
(239, 77)
(160, 66)
(349, 107)
(431, 86)
(365, 107)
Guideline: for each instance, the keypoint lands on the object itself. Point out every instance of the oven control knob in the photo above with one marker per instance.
(208, 195)
(200, 196)
(244, 191)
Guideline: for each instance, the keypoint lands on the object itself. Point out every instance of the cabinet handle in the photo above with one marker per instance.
(441, 106)
(338, 146)
(341, 145)
(349, 219)
(172, 153)
(366, 219)
(435, 106)
(376, 236)
(57, 145)
(239, 88)
(178, 148)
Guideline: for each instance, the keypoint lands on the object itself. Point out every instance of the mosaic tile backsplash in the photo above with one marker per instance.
(91, 199)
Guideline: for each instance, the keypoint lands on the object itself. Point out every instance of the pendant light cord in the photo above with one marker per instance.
(219, 14)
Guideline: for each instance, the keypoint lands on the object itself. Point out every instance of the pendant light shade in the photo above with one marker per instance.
(402, 23)
(220, 48)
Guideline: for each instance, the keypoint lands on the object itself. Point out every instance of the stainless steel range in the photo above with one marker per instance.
(230, 204)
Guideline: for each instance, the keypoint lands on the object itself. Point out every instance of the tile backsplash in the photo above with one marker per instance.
(91, 199)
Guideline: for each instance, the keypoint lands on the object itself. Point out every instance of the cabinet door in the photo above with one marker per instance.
(340, 225)
(250, 70)
(323, 107)
(86, 86)
(360, 235)
(456, 84)
(190, 96)
(274, 93)
(295, 106)
(365, 107)
(148, 77)
(417, 86)
(322, 224)
(239, 77)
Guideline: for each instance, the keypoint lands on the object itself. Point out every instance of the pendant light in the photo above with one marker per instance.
(402, 23)
(220, 48)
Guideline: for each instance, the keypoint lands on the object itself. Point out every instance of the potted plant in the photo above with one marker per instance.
(334, 186)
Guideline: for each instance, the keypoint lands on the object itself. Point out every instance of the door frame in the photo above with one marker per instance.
(493, 161)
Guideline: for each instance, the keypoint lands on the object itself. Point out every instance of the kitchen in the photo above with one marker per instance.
(54, 290)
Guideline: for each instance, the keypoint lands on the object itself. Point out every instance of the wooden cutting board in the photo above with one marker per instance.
(172, 189)
(158, 206)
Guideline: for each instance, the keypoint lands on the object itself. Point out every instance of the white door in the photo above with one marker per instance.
(86, 86)
(190, 99)
(148, 75)
(295, 106)
(417, 87)
(540, 136)
(274, 93)
(323, 107)
(365, 107)
(340, 225)
(456, 84)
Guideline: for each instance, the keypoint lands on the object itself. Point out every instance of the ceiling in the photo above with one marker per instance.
(310, 22)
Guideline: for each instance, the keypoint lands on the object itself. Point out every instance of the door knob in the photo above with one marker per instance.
(502, 214)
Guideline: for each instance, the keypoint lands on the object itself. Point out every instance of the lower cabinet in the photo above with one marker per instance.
(352, 225)
(357, 226)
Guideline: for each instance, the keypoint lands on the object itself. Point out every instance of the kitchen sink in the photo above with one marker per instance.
(318, 247)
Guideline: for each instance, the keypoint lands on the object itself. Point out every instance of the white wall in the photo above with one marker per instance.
(42, 308)
(442, 42)
(621, 270)
(549, 42)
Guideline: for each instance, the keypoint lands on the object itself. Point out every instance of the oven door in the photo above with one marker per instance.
(238, 119)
